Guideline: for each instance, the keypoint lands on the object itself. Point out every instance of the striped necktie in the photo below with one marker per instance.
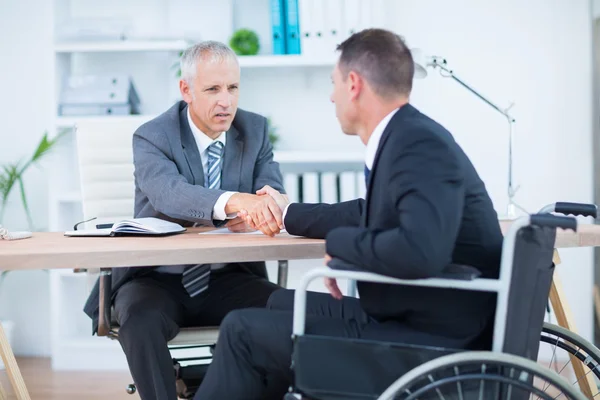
(195, 277)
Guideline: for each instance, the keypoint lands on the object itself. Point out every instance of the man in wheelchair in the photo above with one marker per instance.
(425, 208)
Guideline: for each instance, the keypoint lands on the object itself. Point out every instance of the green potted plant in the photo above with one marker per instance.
(245, 42)
(11, 178)
(11, 175)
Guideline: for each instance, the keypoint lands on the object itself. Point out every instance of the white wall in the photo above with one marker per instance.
(26, 87)
(538, 55)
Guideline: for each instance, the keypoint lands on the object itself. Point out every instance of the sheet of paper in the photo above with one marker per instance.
(227, 231)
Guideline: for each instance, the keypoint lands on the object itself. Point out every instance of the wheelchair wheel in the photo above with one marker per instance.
(481, 375)
(566, 348)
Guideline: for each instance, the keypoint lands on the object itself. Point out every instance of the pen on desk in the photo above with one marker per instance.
(104, 226)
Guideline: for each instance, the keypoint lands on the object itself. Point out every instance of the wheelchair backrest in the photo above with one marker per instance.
(529, 289)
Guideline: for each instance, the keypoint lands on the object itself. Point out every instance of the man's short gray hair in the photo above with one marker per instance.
(208, 51)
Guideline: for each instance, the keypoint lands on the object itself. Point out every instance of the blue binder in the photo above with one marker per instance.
(278, 26)
(292, 27)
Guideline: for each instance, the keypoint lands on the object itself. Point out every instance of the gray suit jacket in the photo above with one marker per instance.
(169, 179)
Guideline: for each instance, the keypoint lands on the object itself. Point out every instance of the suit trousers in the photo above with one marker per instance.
(253, 357)
(150, 310)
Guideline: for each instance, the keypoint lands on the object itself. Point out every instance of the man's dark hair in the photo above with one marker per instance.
(382, 58)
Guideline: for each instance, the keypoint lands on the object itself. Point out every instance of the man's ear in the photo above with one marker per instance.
(186, 91)
(355, 85)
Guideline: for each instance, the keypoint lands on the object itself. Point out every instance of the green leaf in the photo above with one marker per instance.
(12, 174)
(2, 277)
(43, 148)
(25, 204)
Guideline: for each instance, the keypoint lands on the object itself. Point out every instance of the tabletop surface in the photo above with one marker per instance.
(54, 250)
(47, 250)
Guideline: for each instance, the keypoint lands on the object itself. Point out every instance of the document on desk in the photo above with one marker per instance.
(227, 231)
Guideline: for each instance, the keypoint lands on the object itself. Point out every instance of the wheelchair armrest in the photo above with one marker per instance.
(452, 271)
(479, 284)
(104, 306)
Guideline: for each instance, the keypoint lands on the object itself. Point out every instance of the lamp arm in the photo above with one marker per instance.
(441, 64)
(437, 62)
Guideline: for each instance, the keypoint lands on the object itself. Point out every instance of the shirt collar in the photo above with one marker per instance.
(375, 138)
(202, 140)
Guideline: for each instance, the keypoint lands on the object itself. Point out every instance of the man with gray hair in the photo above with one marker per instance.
(197, 164)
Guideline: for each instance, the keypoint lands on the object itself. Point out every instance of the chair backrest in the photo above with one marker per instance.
(532, 273)
(105, 160)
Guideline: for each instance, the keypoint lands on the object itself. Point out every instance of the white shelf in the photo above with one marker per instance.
(120, 46)
(69, 121)
(258, 61)
(316, 157)
(275, 61)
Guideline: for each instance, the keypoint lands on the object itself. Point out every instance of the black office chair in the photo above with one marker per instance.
(383, 370)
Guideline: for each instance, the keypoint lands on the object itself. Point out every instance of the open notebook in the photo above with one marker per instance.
(133, 227)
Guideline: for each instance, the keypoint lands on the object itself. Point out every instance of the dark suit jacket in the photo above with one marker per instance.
(169, 179)
(425, 208)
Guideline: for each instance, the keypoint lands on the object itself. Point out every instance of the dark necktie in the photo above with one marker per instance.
(195, 277)
(367, 172)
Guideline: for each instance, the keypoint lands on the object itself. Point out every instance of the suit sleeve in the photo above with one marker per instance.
(316, 220)
(168, 191)
(266, 170)
(427, 190)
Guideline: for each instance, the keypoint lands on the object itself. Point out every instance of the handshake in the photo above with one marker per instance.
(263, 211)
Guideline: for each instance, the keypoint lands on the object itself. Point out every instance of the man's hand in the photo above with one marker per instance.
(266, 216)
(331, 283)
(238, 225)
(281, 199)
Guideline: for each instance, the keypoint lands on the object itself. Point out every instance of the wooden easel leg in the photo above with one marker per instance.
(14, 374)
(3, 395)
(565, 319)
(597, 303)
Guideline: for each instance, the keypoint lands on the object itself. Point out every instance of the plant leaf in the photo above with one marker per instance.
(43, 148)
(11, 177)
(2, 277)
(25, 204)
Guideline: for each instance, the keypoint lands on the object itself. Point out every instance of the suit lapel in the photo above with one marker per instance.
(190, 149)
(232, 160)
(400, 114)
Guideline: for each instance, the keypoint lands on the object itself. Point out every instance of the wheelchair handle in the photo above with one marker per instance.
(554, 221)
(586, 210)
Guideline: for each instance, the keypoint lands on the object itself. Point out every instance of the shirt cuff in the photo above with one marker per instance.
(284, 214)
(219, 208)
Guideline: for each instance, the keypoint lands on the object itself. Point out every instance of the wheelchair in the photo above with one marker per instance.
(385, 371)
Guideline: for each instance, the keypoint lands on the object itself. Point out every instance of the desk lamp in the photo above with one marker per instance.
(422, 62)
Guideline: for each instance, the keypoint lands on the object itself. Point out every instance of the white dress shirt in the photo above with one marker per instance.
(372, 146)
(203, 142)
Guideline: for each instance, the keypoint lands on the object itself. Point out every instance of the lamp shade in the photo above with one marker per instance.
(420, 63)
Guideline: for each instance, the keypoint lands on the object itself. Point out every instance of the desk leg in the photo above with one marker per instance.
(565, 319)
(12, 368)
(282, 273)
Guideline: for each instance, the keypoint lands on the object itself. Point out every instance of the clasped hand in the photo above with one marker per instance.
(266, 215)
(266, 211)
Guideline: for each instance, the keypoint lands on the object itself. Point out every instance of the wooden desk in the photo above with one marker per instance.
(54, 250)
